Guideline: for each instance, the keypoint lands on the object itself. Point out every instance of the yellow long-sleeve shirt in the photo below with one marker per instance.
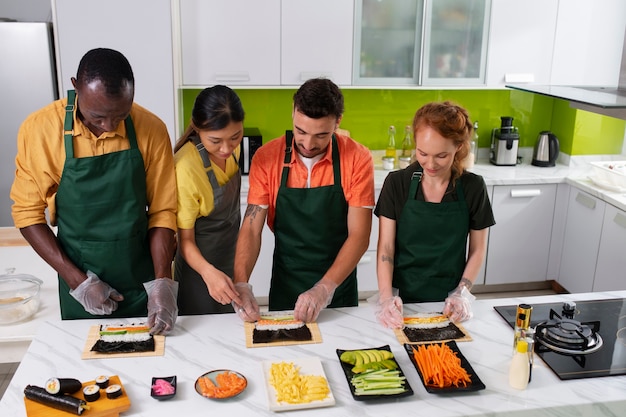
(41, 157)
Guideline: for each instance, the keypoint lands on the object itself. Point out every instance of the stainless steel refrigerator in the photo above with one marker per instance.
(27, 83)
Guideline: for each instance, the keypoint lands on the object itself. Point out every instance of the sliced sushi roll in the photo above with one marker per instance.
(102, 381)
(114, 391)
(59, 386)
(91, 392)
(60, 402)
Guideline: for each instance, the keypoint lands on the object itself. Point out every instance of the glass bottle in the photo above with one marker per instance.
(408, 150)
(474, 143)
(390, 151)
(519, 371)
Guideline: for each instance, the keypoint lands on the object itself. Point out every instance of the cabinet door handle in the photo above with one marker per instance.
(586, 201)
(525, 193)
(307, 75)
(620, 219)
(232, 76)
(365, 259)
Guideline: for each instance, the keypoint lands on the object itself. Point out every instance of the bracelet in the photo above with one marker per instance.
(466, 283)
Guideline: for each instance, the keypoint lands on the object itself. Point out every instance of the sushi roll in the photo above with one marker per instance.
(114, 391)
(265, 324)
(59, 386)
(60, 402)
(91, 392)
(102, 381)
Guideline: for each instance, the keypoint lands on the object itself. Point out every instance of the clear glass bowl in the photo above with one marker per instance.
(19, 297)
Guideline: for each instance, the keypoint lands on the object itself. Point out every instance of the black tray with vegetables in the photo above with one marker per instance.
(443, 369)
(373, 374)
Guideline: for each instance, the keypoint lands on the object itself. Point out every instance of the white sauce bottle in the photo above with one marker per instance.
(519, 371)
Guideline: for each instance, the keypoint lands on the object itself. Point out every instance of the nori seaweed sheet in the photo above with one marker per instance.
(435, 334)
(123, 347)
(60, 402)
(267, 336)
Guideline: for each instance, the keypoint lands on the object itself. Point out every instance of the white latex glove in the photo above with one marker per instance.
(162, 306)
(96, 296)
(458, 305)
(249, 309)
(311, 302)
(388, 310)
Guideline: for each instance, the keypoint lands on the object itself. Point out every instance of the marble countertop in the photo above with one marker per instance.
(203, 343)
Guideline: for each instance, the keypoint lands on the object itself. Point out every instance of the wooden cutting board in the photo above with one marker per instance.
(102, 407)
(10, 236)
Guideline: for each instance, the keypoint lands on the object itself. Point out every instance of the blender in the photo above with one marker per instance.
(504, 143)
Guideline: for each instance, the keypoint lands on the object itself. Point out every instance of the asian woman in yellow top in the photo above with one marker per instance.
(208, 183)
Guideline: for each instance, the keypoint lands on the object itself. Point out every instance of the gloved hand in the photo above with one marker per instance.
(162, 306)
(96, 296)
(311, 302)
(249, 309)
(458, 305)
(388, 310)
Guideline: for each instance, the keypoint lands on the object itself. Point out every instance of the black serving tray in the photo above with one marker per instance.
(347, 370)
(475, 385)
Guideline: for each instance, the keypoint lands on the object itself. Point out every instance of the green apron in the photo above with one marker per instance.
(103, 223)
(216, 237)
(431, 241)
(310, 227)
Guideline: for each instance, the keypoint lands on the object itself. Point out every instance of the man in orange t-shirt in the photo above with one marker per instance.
(316, 188)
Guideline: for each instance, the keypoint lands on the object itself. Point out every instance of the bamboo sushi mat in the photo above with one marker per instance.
(403, 339)
(316, 337)
(94, 335)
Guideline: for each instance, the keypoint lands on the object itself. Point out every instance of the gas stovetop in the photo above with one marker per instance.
(602, 321)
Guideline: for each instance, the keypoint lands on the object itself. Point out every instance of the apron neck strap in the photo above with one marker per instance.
(289, 151)
(415, 181)
(68, 125)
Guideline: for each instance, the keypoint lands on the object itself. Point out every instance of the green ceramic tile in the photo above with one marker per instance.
(369, 112)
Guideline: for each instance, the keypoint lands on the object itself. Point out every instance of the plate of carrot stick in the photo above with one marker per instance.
(443, 368)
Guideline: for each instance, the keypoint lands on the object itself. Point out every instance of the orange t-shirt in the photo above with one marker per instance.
(357, 173)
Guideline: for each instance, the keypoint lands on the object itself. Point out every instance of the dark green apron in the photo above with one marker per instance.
(431, 244)
(216, 237)
(103, 223)
(310, 227)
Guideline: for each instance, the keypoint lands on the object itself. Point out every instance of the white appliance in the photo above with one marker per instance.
(27, 83)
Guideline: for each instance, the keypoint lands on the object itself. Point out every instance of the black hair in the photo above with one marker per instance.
(319, 97)
(214, 109)
(108, 66)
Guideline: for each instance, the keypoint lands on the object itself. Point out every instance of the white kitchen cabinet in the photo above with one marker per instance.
(234, 42)
(519, 243)
(611, 265)
(521, 41)
(140, 29)
(583, 226)
(316, 40)
(588, 42)
(270, 42)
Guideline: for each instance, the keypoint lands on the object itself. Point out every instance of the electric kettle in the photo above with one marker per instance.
(546, 150)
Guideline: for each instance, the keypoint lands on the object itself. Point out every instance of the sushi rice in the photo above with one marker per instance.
(125, 333)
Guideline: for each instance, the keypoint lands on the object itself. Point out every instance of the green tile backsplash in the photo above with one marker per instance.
(369, 112)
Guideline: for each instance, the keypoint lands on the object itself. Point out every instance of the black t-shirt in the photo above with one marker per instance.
(395, 193)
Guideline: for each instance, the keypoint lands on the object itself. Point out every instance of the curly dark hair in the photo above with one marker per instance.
(319, 97)
(108, 66)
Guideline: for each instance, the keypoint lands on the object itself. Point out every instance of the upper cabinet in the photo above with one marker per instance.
(234, 42)
(316, 40)
(420, 42)
(455, 42)
(588, 42)
(521, 41)
(269, 42)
